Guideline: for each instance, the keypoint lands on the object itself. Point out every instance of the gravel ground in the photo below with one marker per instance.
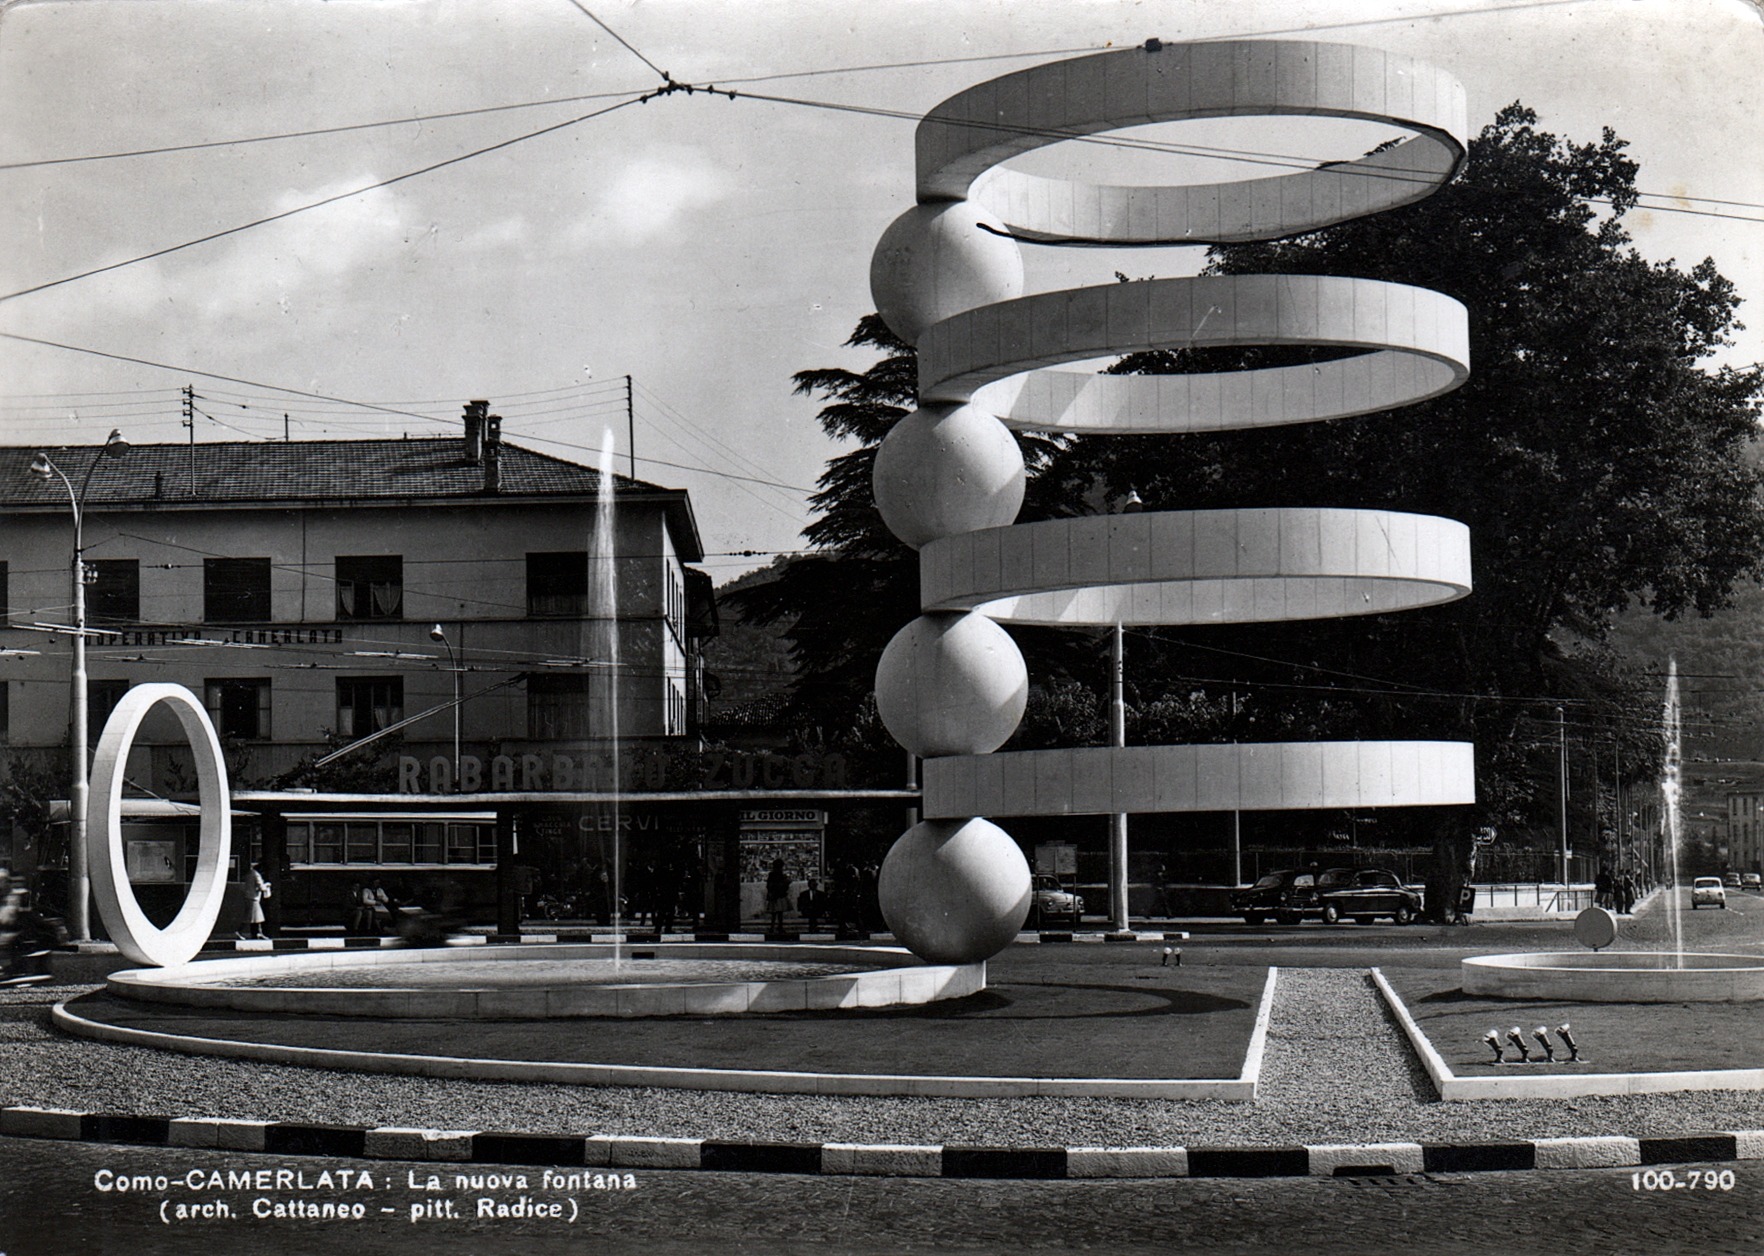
(1336, 1070)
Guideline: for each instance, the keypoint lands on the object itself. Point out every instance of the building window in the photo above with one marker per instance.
(557, 583)
(240, 708)
(101, 699)
(114, 596)
(370, 586)
(366, 704)
(236, 590)
(557, 708)
(364, 841)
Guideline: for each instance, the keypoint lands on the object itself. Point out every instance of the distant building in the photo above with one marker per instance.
(295, 587)
(314, 594)
(1745, 830)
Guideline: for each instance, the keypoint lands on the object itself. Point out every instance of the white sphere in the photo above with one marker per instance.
(955, 891)
(938, 260)
(951, 682)
(947, 469)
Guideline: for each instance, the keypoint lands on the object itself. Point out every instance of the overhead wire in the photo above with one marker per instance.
(328, 200)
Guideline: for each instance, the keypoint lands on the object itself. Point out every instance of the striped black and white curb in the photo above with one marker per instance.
(946, 1161)
(333, 942)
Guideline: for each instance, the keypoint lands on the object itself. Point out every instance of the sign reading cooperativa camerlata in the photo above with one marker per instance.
(341, 1195)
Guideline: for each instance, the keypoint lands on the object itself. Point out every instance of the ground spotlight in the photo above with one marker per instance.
(1172, 957)
(1568, 1041)
(1542, 1034)
(1517, 1038)
(1493, 1039)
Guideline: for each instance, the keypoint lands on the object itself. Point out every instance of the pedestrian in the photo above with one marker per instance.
(379, 905)
(1626, 894)
(355, 917)
(777, 894)
(809, 903)
(867, 894)
(846, 900)
(1602, 888)
(258, 889)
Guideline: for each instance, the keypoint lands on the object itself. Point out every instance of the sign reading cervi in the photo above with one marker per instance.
(632, 770)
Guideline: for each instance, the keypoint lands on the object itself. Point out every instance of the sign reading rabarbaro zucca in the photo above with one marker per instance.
(633, 770)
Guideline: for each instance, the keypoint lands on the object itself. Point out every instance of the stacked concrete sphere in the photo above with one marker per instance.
(947, 277)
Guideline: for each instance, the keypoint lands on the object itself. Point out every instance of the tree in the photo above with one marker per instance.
(1597, 460)
(841, 604)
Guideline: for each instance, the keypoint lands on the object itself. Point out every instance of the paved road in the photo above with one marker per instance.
(50, 1203)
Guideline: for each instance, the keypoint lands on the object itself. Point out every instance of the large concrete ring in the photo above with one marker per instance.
(1417, 343)
(962, 140)
(137, 937)
(1274, 776)
(1199, 567)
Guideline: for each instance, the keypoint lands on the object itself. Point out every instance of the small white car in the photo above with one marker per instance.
(1708, 892)
(1054, 902)
(1752, 881)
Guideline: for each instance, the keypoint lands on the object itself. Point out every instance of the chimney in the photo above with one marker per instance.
(492, 453)
(474, 430)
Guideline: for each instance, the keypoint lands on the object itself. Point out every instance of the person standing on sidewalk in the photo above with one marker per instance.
(258, 889)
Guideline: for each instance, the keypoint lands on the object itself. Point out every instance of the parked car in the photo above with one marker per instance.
(1708, 892)
(1053, 902)
(1288, 895)
(1752, 881)
(1365, 895)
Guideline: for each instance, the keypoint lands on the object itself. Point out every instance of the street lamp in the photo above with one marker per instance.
(1119, 922)
(79, 862)
(436, 634)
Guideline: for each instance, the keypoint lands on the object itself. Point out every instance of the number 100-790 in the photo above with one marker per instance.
(1693, 1179)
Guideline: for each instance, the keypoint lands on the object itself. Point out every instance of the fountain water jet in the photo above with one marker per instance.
(603, 613)
(1671, 801)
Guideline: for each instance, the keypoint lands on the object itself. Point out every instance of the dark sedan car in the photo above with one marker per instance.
(1367, 894)
(1287, 896)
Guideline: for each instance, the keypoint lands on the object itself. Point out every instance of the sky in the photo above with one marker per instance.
(702, 246)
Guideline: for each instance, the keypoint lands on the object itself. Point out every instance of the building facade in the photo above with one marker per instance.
(314, 593)
(1745, 830)
(330, 601)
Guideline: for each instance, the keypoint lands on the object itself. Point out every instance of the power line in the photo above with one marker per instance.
(665, 76)
(329, 200)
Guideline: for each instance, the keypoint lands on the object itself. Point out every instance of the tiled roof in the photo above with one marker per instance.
(294, 471)
(334, 473)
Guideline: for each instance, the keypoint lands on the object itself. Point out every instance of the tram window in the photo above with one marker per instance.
(395, 842)
(486, 844)
(431, 843)
(462, 844)
(299, 843)
(364, 843)
(327, 843)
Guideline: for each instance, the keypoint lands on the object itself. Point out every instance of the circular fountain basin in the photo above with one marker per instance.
(542, 982)
(1617, 976)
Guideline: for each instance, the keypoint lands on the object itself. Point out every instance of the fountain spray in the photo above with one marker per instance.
(1671, 785)
(603, 608)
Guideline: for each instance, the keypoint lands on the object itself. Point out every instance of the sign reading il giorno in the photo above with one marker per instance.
(633, 771)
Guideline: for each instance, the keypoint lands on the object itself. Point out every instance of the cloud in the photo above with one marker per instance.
(651, 195)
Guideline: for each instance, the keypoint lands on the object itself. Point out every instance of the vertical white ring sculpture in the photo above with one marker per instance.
(137, 937)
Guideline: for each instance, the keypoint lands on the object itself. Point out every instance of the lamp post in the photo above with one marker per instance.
(79, 877)
(1562, 781)
(436, 634)
(1119, 922)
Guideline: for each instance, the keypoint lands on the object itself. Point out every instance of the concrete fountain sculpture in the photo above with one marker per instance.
(948, 277)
